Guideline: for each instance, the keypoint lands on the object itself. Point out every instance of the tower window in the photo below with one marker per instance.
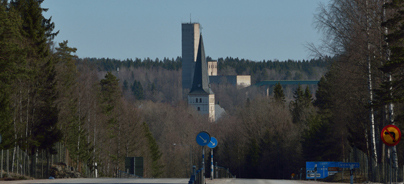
(200, 100)
(196, 100)
(199, 109)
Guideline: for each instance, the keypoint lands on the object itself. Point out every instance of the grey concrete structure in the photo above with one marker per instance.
(241, 81)
(190, 42)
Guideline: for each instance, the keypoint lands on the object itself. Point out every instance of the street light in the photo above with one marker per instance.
(190, 153)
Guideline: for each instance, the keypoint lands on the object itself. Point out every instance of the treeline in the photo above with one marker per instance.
(260, 70)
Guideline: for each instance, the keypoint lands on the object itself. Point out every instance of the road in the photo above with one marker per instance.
(164, 180)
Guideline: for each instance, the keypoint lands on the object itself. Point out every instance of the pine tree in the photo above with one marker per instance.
(41, 78)
(393, 90)
(12, 62)
(137, 90)
(125, 85)
(154, 151)
(109, 98)
(278, 93)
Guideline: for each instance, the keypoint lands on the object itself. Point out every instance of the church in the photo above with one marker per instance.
(201, 95)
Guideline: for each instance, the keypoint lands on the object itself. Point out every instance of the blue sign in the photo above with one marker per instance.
(324, 169)
(348, 164)
(212, 143)
(203, 138)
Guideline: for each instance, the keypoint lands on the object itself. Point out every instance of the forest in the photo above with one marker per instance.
(103, 110)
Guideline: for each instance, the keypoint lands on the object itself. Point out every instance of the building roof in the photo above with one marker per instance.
(200, 84)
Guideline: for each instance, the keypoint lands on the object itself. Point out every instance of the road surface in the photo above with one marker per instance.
(163, 181)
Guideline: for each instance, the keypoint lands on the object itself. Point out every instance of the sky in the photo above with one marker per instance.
(256, 30)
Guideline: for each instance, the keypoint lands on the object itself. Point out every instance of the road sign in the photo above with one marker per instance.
(322, 169)
(212, 143)
(391, 135)
(203, 138)
(348, 164)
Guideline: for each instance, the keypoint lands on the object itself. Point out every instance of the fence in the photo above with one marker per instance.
(16, 163)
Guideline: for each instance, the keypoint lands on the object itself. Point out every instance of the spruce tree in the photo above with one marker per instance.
(278, 93)
(154, 151)
(12, 62)
(393, 91)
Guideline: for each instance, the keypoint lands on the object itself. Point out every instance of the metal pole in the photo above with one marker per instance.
(217, 174)
(190, 155)
(203, 162)
(1, 171)
(301, 171)
(8, 174)
(315, 172)
(211, 164)
(390, 165)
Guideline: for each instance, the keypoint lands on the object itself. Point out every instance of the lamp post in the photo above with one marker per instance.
(190, 154)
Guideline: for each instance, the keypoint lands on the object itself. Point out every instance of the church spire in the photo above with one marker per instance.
(200, 84)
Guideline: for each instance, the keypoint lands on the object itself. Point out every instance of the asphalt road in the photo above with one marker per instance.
(163, 181)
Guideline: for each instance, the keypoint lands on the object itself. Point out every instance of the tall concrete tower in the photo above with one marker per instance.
(190, 42)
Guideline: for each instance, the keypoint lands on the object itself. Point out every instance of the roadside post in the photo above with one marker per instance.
(96, 170)
(203, 139)
(349, 165)
(391, 136)
(212, 144)
(315, 172)
(301, 171)
(217, 173)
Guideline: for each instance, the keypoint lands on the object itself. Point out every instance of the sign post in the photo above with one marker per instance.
(212, 144)
(301, 171)
(315, 172)
(203, 139)
(391, 136)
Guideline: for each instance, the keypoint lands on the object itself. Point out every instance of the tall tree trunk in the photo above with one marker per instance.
(370, 88)
(95, 128)
(79, 133)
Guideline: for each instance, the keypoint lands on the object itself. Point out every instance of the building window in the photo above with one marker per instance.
(199, 109)
(196, 100)
(200, 100)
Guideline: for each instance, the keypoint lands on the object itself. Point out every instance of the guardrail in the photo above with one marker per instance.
(198, 177)
(124, 174)
(222, 172)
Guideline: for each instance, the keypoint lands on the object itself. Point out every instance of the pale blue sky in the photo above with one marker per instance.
(250, 29)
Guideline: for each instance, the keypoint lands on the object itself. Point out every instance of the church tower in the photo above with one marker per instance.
(201, 96)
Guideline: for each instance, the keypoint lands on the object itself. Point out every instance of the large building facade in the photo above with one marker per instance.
(190, 42)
